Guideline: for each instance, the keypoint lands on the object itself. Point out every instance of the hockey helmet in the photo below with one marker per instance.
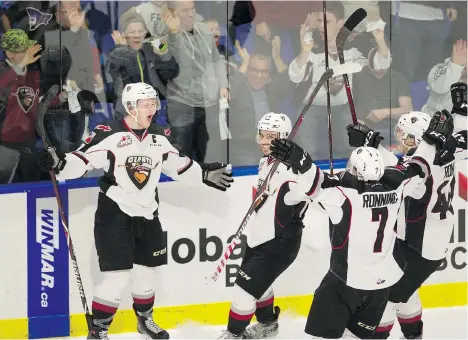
(275, 122)
(132, 93)
(366, 163)
(412, 125)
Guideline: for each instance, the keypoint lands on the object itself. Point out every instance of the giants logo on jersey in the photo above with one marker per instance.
(25, 96)
(139, 170)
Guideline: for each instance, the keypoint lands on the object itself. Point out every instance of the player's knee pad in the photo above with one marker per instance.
(241, 300)
(389, 315)
(143, 280)
(112, 285)
(411, 308)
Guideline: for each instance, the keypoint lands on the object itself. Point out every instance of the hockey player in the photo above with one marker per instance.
(362, 204)
(133, 152)
(274, 238)
(424, 226)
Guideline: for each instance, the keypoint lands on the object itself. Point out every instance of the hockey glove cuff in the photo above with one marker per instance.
(439, 130)
(458, 91)
(291, 154)
(217, 175)
(360, 135)
(52, 159)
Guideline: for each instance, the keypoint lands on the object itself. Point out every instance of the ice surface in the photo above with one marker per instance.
(439, 323)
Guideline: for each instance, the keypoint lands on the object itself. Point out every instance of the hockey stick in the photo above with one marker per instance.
(325, 38)
(338, 70)
(341, 38)
(42, 133)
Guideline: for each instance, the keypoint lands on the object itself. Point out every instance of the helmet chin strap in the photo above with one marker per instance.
(135, 118)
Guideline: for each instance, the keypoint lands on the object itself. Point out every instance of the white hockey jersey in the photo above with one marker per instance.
(133, 162)
(280, 210)
(427, 220)
(362, 218)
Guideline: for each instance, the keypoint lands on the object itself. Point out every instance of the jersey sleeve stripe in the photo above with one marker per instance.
(423, 164)
(80, 156)
(350, 218)
(313, 188)
(186, 167)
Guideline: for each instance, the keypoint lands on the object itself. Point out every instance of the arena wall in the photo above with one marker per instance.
(40, 296)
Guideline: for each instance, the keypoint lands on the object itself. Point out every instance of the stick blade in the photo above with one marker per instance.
(355, 18)
(346, 68)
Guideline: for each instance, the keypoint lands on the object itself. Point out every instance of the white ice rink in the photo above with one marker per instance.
(440, 323)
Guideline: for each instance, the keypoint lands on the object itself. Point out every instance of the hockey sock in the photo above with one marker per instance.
(386, 323)
(143, 282)
(264, 312)
(107, 295)
(411, 328)
(242, 311)
(409, 316)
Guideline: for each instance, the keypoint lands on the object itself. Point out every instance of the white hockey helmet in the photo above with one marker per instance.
(412, 125)
(275, 122)
(132, 93)
(366, 163)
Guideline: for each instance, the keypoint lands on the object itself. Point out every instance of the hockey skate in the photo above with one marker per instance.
(264, 330)
(228, 335)
(148, 327)
(97, 333)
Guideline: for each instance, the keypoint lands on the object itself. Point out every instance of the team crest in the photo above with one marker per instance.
(25, 96)
(37, 18)
(167, 132)
(126, 140)
(139, 170)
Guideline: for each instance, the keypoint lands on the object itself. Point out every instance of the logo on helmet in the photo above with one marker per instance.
(414, 120)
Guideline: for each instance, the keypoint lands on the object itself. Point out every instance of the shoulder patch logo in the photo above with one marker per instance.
(124, 141)
(105, 128)
(90, 138)
(25, 96)
(167, 132)
(139, 170)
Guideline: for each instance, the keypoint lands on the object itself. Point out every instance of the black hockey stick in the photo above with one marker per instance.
(43, 106)
(325, 38)
(341, 38)
(338, 70)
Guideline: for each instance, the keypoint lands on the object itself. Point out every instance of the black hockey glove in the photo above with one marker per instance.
(447, 153)
(105, 183)
(51, 159)
(87, 100)
(458, 91)
(291, 154)
(439, 130)
(360, 135)
(216, 175)
(460, 138)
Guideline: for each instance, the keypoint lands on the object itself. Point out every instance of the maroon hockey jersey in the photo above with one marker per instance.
(19, 98)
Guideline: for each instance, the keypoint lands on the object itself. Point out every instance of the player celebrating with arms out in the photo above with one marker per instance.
(274, 238)
(425, 224)
(128, 235)
(362, 204)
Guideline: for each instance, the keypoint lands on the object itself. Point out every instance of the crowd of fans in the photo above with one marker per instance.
(218, 67)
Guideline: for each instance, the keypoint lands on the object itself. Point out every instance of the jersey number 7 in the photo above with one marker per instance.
(379, 215)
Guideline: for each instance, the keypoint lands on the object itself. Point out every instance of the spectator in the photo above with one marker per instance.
(193, 97)
(420, 29)
(381, 97)
(223, 47)
(134, 60)
(66, 123)
(280, 18)
(256, 90)
(19, 97)
(151, 11)
(309, 66)
(443, 75)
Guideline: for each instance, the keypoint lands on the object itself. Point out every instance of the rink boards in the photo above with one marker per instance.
(40, 296)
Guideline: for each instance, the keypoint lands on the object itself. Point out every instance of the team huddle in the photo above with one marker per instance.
(390, 218)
